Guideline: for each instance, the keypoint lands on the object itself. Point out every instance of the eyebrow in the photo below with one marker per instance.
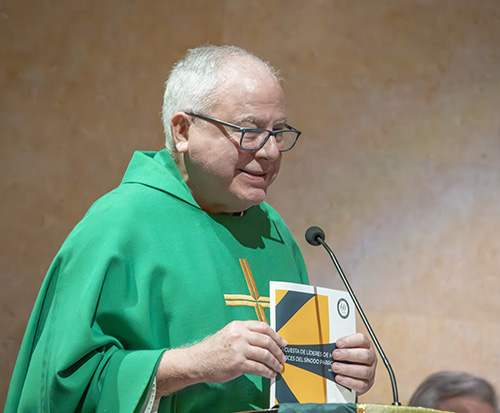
(256, 121)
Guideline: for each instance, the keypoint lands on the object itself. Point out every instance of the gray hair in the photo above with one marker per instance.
(448, 384)
(192, 83)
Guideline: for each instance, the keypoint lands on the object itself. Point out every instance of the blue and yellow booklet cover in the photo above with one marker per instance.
(310, 319)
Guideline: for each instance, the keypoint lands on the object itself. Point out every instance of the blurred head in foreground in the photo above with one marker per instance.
(455, 392)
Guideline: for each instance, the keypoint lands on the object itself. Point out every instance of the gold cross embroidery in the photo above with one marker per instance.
(252, 300)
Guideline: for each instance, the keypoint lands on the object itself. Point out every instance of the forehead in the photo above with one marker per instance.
(465, 404)
(247, 89)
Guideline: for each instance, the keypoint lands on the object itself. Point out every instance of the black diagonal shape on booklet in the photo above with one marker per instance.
(283, 393)
(315, 358)
(291, 302)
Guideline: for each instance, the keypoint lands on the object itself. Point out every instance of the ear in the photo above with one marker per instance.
(179, 127)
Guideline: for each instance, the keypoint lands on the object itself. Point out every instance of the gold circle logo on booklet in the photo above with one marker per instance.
(343, 308)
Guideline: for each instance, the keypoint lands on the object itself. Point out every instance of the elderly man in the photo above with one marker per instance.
(138, 310)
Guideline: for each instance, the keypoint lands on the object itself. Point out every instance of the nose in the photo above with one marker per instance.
(269, 151)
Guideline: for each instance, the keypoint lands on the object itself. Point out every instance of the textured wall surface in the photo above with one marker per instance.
(399, 162)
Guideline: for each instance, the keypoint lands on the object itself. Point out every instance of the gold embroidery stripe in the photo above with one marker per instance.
(261, 315)
(246, 297)
(249, 303)
(361, 408)
(244, 266)
(264, 318)
(244, 263)
(251, 282)
(238, 296)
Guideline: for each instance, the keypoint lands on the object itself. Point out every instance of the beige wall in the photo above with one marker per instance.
(399, 102)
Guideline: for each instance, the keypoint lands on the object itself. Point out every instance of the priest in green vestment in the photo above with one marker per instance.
(158, 299)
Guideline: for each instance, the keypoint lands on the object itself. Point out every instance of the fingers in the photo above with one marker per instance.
(260, 368)
(265, 347)
(357, 340)
(264, 328)
(359, 371)
(244, 347)
(241, 347)
(356, 349)
(358, 377)
(360, 386)
(355, 355)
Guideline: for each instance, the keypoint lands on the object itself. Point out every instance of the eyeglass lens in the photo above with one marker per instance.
(253, 139)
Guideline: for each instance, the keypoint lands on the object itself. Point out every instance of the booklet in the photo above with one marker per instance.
(310, 319)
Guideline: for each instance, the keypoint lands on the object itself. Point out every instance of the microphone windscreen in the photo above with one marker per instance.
(312, 235)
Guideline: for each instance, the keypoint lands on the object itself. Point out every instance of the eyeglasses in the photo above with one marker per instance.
(253, 139)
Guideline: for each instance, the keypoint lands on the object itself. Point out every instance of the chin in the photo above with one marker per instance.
(254, 201)
(244, 202)
(246, 196)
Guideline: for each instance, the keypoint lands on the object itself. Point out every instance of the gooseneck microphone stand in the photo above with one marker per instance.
(315, 236)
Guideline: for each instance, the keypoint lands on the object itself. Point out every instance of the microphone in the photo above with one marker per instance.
(315, 236)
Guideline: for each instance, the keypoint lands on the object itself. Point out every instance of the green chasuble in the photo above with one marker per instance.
(147, 270)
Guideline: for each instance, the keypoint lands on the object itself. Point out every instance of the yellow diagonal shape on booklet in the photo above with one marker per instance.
(306, 386)
(310, 325)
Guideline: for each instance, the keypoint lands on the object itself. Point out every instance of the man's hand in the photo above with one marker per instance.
(241, 347)
(359, 373)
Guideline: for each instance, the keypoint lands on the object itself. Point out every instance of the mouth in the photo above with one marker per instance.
(256, 176)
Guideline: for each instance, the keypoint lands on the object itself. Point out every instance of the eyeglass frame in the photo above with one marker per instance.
(244, 129)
